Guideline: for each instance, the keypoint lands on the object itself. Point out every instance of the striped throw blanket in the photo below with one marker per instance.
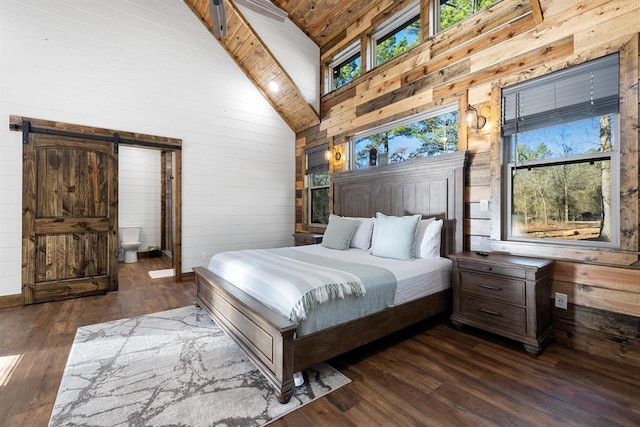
(292, 282)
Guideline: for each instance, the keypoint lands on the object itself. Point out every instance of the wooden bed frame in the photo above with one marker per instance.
(432, 187)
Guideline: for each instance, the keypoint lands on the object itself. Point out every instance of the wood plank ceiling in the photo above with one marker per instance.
(324, 21)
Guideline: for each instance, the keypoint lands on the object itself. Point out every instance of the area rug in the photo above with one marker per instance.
(175, 368)
(157, 274)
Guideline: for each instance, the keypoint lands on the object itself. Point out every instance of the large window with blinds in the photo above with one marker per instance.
(318, 185)
(561, 142)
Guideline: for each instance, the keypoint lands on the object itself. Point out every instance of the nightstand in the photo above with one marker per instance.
(503, 294)
(302, 239)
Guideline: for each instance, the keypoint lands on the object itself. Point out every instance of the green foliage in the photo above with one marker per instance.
(347, 71)
(451, 12)
(423, 138)
(319, 206)
(562, 197)
(398, 42)
(454, 11)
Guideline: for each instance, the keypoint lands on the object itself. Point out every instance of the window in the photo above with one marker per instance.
(446, 13)
(396, 36)
(424, 135)
(345, 67)
(561, 149)
(318, 185)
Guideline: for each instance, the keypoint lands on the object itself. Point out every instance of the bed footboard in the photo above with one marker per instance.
(266, 337)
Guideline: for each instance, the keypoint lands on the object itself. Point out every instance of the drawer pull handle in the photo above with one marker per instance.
(489, 268)
(493, 313)
(491, 288)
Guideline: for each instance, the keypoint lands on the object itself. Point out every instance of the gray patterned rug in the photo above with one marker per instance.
(176, 368)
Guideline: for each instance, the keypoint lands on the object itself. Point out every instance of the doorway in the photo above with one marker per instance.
(70, 202)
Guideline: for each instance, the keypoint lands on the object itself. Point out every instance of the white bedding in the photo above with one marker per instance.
(416, 278)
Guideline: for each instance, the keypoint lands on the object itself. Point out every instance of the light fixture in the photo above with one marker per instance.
(218, 18)
(273, 86)
(329, 154)
(475, 120)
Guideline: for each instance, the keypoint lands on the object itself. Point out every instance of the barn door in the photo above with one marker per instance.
(70, 211)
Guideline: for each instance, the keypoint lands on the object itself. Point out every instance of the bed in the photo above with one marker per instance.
(431, 187)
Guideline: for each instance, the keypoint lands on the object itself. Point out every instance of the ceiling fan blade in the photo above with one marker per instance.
(264, 7)
(218, 18)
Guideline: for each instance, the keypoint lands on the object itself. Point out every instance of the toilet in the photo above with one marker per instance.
(130, 242)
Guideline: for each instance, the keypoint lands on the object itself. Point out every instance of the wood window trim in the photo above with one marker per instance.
(627, 253)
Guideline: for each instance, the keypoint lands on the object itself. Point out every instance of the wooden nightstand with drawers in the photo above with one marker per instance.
(302, 239)
(503, 294)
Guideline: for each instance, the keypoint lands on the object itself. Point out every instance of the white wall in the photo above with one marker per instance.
(147, 66)
(139, 193)
(296, 52)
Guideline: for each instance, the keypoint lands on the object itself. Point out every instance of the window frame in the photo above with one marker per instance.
(344, 57)
(612, 156)
(389, 28)
(627, 251)
(449, 108)
(511, 165)
(310, 187)
(434, 17)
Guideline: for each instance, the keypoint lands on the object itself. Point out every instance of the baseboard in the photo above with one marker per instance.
(188, 277)
(7, 301)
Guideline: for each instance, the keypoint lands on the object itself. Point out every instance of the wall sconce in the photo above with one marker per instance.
(329, 154)
(475, 120)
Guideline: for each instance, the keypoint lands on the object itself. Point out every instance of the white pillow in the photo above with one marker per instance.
(394, 236)
(362, 237)
(429, 245)
(420, 231)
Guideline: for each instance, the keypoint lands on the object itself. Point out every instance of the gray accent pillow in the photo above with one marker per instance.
(339, 232)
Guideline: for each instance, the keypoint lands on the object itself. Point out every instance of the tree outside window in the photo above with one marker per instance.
(422, 136)
(450, 12)
(318, 185)
(562, 151)
(346, 71)
(397, 41)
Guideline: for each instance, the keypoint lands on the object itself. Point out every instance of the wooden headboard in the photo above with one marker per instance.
(433, 187)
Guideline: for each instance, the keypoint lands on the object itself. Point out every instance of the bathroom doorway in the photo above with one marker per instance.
(156, 204)
(72, 250)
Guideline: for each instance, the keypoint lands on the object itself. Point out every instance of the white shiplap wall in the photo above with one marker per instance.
(147, 66)
(297, 53)
(139, 193)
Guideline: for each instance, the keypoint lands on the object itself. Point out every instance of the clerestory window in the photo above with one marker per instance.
(396, 36)
(446, 13)
(345, 67)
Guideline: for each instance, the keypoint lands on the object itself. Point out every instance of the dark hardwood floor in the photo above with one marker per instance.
(431, 374)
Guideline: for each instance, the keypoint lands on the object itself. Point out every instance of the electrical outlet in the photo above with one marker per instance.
(203, 256)
(561, 300)
(484, 205)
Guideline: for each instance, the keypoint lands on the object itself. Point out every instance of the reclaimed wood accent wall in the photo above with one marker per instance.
(510, 42)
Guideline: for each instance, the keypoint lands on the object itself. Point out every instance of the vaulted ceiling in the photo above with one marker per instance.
(325, 22)
(322, 21)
